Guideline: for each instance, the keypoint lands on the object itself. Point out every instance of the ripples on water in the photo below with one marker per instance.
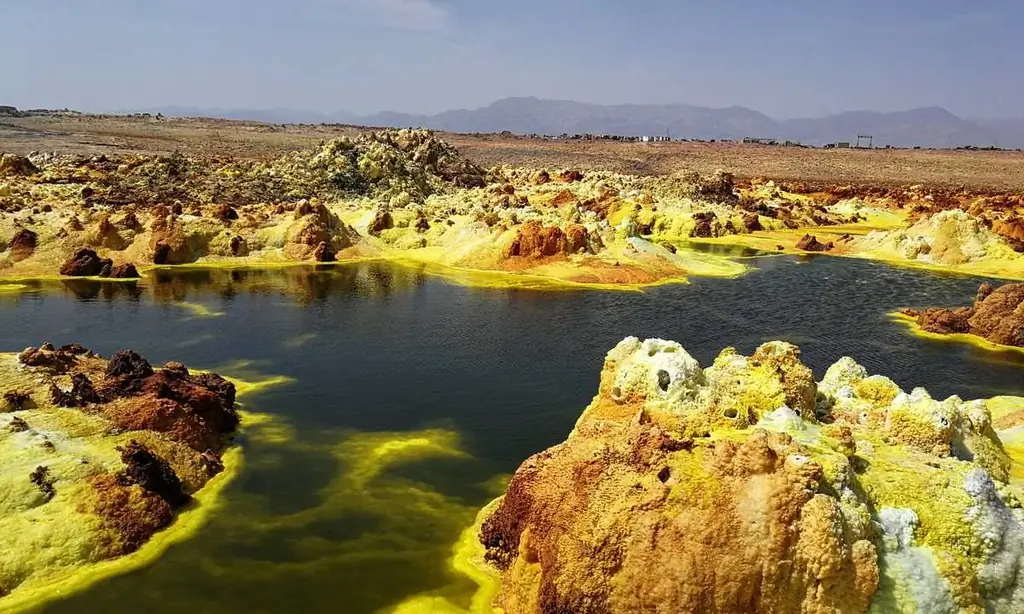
(412, 395)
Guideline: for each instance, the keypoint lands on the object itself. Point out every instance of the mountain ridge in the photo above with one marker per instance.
(929, 126)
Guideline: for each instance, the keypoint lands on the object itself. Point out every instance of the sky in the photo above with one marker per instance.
(786, 58)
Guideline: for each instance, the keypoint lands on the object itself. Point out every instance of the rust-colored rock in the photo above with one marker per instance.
(570, 176)
(564, 197)
(87, 263)
(533, 240)
(997, 315)
(130, 513)
(197, 410)
(128, 364)
(1012, 230)
(720, 187)
(577, 239)
(810, 243)
(946, 321)
(607, 523)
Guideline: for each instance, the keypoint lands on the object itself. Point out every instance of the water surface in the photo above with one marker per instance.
(412, 397)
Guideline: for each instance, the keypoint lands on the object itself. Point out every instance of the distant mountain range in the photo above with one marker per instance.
(924, 127)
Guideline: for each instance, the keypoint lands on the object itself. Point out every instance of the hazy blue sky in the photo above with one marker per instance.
(785, 58)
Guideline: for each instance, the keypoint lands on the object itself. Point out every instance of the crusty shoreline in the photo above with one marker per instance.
(407, 195)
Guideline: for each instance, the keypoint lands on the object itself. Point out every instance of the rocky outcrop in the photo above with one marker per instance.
(997, 315)
(12, 164)
(23, 244)
(381, 221)
(810, 243)
(950, 238)
(97, 455)
(747, 487)
(706, 225)
(324, 253)
(534, 241)
(87, 263)
(314, 225)
(720, 187)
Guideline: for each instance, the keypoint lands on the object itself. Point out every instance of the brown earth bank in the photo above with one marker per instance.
(996, 315)
(411, 194)
(746, 487)
(97, 455)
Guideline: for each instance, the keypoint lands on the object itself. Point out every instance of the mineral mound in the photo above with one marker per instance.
(747, 486)
(98, 455)
(997, 315)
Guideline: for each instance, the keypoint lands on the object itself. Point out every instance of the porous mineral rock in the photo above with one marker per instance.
(97, 455)
(997, 315)
(747, 487)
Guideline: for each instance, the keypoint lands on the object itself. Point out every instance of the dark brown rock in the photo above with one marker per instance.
(128, 364)
(752, 222)
(24, 243)
(161, 253)
(16, 400)
(324, 253)
(224, 213)
(381, 221)
(152, 473)
(706, 222)
(81, 394)
(86, 263)
(124, 271)
(810, 243)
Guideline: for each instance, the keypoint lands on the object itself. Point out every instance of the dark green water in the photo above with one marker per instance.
(332, 518)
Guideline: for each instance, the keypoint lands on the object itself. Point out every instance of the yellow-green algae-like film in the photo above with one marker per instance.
(357, 506)
(70, 571)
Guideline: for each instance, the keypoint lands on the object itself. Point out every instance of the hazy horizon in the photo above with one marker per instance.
(428, 56)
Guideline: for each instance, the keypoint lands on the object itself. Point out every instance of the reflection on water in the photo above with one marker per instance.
(411, 394)
(725, 250)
